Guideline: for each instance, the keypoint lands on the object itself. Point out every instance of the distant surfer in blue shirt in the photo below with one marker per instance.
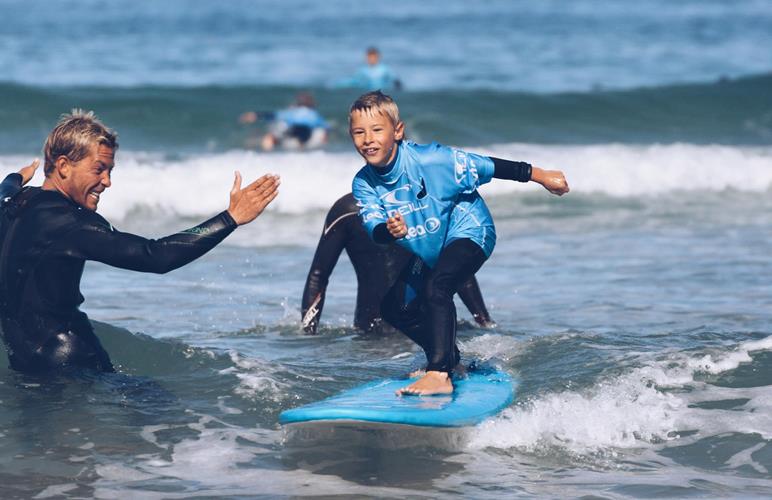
(299, 126)
(425, 198)
(373, 76)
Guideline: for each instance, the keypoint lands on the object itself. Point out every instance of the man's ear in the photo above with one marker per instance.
(399, 131)
(62, 166)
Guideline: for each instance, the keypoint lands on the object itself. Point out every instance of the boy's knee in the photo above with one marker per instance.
(440, 289)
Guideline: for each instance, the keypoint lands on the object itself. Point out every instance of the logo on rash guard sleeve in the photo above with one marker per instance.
(463, 164)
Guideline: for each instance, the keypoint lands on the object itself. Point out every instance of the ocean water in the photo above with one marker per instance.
(635, 312)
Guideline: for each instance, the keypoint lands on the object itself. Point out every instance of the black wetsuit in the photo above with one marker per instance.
(45, 240)
(377, 268)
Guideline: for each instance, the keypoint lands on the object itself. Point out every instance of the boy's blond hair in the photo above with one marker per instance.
(73, 137)
(376, 102)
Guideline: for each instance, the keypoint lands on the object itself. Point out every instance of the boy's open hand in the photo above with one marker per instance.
(246, 204)
(396, 226)
(553, 180)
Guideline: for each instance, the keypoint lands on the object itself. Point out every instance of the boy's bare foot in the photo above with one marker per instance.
(432, 382)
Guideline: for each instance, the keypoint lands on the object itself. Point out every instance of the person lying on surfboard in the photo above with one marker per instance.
(425, 198)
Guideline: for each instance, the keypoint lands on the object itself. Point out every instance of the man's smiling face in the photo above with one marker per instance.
(87, 179)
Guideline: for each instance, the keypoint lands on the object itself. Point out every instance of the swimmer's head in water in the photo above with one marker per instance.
(375, 128)
(305, 99)
(74, 136)
(373, 56)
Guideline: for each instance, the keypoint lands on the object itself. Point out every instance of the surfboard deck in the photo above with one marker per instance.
(477, 396)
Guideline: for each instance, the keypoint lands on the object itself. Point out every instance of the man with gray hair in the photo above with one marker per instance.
(48, 233)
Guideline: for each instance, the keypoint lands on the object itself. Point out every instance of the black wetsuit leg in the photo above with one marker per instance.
(403, 306)
(459, 261)
(429, 319)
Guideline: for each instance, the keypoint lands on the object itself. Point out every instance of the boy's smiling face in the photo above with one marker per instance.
(375, 136)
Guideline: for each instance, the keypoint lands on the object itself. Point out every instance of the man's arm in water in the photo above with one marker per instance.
(97, 240)
(13, 183)
(331, 244)
(472, 298)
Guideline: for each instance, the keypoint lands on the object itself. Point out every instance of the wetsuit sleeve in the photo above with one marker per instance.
(514, 170)
(10, 186)
(97, 240)
(371, 212)
(331, 244)
(472, 298)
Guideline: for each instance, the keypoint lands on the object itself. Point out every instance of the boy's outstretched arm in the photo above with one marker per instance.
(553, 180)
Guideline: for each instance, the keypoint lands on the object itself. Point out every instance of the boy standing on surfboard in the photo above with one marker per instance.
(425, 198)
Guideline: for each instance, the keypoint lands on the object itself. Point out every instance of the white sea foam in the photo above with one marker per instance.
(491, 345)
(57, 490)
(663, 400)
(255, 378)
(197, 186)
(212, 465)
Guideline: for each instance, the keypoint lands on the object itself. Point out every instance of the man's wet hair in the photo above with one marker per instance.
(74, 136)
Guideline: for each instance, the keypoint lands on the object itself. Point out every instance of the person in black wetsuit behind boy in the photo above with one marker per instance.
(48, 233)
(377, 268)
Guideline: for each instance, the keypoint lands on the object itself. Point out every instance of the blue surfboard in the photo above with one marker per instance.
(476, 397)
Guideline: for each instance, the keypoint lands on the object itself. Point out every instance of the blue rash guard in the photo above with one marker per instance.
(371, 77)
(434, 188)
(301, 115)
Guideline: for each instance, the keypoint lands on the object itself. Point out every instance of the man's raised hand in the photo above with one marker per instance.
(249, 202)
(29, 171)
